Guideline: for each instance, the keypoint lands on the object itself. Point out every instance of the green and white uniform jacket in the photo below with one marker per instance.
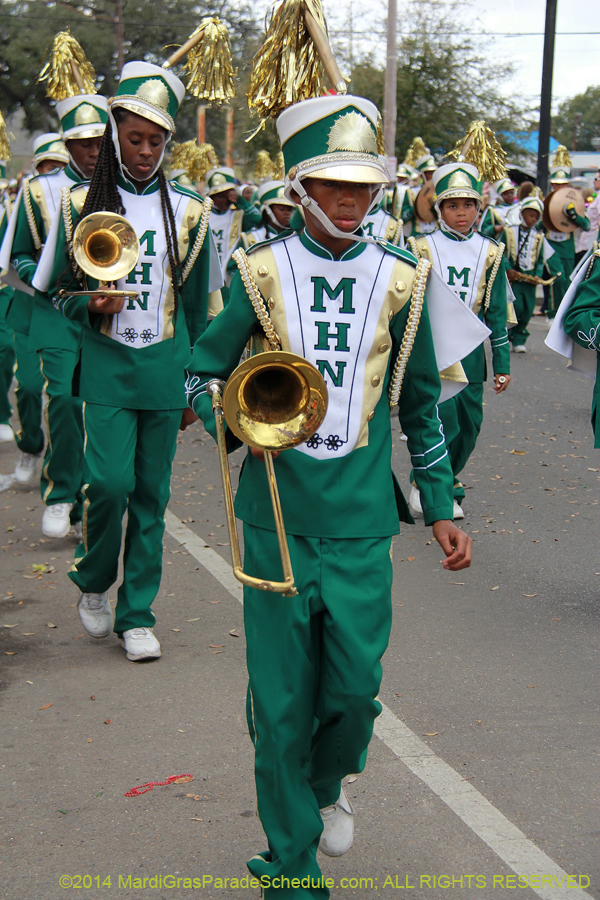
(227, 228)
(35, 209)
(527, 250)
(381, 224)
(492, 216)
(6, 292)
(582, 324)
(467, 267)
(137, 359)
(347, 316)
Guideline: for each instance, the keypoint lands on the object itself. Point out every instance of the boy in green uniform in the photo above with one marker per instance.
(133, 356)
(7, 353)
(527, 252)
(83, 119)
(472, 265)
(494, 216)
(276, 214)
(563, 243)
(344, 302)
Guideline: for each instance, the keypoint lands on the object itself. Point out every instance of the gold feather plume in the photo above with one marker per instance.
(268, 169)
(287, 68)
(416, 150)
(208, 66)
(562, 158)
(480, 148)
(68, 72)
(4, 141)
(196, 160)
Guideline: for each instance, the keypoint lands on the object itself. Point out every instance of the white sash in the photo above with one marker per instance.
(460, 263)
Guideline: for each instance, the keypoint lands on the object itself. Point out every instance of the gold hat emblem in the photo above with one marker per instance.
(352, 132)
(56, 146)
(86, 114)
(217, 179)
(459, 179)
(154, 91)
(280, 192)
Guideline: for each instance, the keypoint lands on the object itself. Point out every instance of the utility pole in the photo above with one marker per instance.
(119, 33)
(389, 97)
(546, 95)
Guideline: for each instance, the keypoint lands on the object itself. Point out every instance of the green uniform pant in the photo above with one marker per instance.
(524, 307)
(62, 472)
(314, 675)
(565, 252)
(462, 417)
(128, 458)
(30, 386)
(7, 359)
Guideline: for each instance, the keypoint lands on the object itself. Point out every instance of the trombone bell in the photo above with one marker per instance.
(105, 246)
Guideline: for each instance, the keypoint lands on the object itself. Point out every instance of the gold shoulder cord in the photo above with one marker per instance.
(256, 298)
(413, 247)
(408, 340)
(203, 228)
(595, 256)
(35, 235)
(67, 214)
(494, 272)
(397, 233)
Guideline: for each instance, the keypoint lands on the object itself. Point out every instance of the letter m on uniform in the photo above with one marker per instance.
(343, 287)
(463, 275)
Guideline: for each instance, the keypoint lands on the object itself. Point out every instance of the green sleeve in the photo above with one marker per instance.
(297, 222)
(486, 227)
(252, 215)
(495, 319)
(583, 222)
(408, 209)
(195, 289)
(217, 352)
(420, 421)
(24, 256)
(582, 321)
(63, 278)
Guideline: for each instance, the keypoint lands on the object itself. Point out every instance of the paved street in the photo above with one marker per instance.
(492, 672)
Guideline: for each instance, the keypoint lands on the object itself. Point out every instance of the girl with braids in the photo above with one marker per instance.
(134, 353)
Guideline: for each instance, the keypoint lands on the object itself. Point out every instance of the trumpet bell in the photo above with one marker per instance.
(275, 400)
(105, 246)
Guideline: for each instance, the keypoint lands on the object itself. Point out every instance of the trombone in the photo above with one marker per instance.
(272, 401)
(106, 247)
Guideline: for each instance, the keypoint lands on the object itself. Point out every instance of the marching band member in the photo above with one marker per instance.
(7, 353)
(494, 216)
(133, 357)
(342, 301)
(473, 267)
(276, 212)
(42, 331)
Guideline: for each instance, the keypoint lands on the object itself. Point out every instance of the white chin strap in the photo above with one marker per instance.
(445, 227)
(76, 168)
(125, 171)
(270, 216)
(313, 207)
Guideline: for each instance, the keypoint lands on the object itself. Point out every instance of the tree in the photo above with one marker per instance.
(566, 122)
(445, 79)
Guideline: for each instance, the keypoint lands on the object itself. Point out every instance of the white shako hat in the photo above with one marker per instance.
(333, 137)
(219, 180)
(458, 179)
(83, 116)
(49, 146)
(273, 192)
(151, 92)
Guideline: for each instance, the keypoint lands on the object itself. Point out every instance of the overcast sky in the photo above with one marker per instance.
(577, 56)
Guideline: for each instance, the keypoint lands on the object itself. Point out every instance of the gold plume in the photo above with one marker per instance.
(287, 68)
(264, 167)
(4, 141)
(68, 72)
(480, 148)
(562, 158)
(416, 150)
(195, 160)
(208, 66)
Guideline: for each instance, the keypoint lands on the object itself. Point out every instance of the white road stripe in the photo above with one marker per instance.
(488, 823)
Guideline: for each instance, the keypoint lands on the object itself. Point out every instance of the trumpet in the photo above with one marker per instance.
(106, 247)
(272, 401)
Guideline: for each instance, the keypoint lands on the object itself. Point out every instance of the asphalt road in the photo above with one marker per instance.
(494, 669)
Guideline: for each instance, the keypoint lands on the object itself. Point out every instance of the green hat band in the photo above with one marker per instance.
(344, 135)
(86, 114)
(458, 183)
(152, 90)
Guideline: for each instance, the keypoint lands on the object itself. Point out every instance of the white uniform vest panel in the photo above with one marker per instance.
(332, 310)
(461, 270)
(142, 322)
(376, 224)
(221, 225)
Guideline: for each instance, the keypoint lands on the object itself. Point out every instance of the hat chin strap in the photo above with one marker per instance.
(313, 207)
(445, 227)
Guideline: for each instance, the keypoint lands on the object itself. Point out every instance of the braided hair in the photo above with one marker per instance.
(103, 194)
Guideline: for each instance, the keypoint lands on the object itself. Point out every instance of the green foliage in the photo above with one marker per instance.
(564, 123)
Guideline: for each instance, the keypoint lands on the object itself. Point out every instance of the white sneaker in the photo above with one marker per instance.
(6, 434)
(140, 643)
(338, 827)
(458, 512)
(25, 468)
(520, 348)
(414, 501)
(403, 436)
(55, 521)
(96, 614)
